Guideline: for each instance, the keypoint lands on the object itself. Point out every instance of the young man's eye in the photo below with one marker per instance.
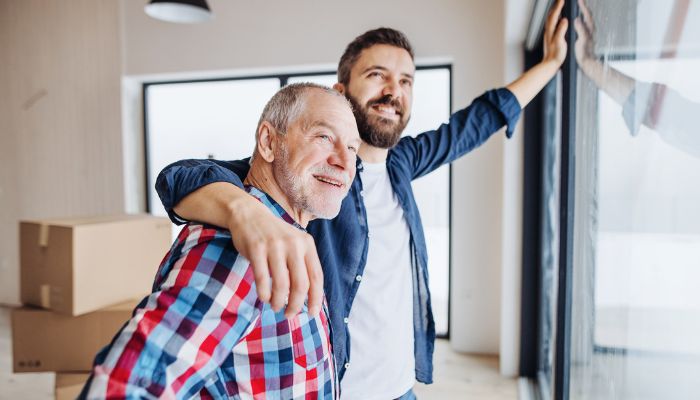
(407, 82)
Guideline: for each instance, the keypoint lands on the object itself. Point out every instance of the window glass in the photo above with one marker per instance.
(636, 256)
(215, 119)
(431, 107)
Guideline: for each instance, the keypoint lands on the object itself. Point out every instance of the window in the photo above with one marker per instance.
(636, 249)
(217, 119)
(625, 288)
(214, 119)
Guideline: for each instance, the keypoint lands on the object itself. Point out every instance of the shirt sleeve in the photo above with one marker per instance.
(181, 178)
(634, 110)
(665, 111)
(466, 129)
(180, 334)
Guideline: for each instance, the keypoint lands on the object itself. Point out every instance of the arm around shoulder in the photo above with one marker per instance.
(176, 181)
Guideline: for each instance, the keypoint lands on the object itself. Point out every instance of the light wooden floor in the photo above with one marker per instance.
(466, 377)
(457, 376)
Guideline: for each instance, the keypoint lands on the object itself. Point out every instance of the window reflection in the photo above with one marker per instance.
(636, 308)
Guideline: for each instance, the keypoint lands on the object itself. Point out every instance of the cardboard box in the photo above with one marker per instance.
(75, 266)
(68, 386)
(47, 341)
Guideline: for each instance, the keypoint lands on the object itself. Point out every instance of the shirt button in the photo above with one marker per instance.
(358, 278)
(369, 235)
(346, 320)
(362, 193)
(347, 365)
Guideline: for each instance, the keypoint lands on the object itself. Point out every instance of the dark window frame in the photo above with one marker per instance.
(562, 356)
(531, 315)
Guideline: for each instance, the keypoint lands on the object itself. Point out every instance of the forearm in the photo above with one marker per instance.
(613, 82)
(466, 129)
(182, 178)
(210, 191)
(214, 204)
(526, 87)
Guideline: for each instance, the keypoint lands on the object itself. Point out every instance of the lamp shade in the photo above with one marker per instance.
(180, 11)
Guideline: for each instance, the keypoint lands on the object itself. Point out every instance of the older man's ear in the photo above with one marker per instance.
(267, 140)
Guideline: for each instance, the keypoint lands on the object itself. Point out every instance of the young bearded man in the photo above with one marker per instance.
(373, 254)
(204, 332)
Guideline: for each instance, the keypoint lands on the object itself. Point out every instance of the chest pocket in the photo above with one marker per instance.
(310, 339)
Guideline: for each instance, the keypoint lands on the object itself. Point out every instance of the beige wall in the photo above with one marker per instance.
(260, 34)
(59, 110)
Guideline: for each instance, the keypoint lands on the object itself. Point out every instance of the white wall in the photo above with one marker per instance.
(249, 35)
(517, 18)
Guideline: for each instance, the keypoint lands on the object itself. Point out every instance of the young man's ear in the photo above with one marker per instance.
(339, 87)
(267, 141)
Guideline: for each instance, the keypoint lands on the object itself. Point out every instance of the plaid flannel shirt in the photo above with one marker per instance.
(203, 333)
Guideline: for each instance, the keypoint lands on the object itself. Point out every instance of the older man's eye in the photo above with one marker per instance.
(324, 138)
(353, 149)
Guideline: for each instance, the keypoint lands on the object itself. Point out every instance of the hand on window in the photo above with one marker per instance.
(554, 35)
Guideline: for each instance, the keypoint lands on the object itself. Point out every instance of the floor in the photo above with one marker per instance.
(635, 375)
(457, 376)
(460, 377)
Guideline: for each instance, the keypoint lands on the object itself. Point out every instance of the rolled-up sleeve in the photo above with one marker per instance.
(181, 178)
(466, 130)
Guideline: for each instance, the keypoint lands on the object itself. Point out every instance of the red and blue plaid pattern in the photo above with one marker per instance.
(203, 333)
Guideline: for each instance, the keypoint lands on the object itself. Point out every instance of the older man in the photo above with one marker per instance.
(203, 331)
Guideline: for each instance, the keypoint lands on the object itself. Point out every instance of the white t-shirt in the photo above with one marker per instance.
(382, 364)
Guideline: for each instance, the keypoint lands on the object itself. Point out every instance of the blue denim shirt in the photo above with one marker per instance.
(342, 242)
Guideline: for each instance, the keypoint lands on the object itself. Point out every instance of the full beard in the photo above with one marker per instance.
(377, 131)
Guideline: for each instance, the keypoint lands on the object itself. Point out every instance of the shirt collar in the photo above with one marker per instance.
(271, 204)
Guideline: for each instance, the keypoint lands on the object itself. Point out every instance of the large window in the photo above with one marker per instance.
(636, 250)
(217, 119)
(620, 243)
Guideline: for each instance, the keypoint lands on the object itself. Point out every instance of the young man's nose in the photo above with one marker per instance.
(393, 88)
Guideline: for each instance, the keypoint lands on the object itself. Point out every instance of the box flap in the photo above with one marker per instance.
(99, 219)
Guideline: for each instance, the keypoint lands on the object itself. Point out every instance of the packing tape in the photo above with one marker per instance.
(45, 296)
(43, 235)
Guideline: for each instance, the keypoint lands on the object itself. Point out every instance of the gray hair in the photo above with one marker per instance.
(287, 105)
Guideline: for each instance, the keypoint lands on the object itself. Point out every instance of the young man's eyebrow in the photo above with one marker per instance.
(381, 68)
(371, 67)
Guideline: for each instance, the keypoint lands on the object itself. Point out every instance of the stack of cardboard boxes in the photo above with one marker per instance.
(80, 281)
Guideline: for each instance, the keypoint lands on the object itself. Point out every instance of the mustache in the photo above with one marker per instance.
(389, 100)
(332, 173)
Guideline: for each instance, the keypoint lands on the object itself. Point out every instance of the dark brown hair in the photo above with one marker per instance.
(388, 36)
